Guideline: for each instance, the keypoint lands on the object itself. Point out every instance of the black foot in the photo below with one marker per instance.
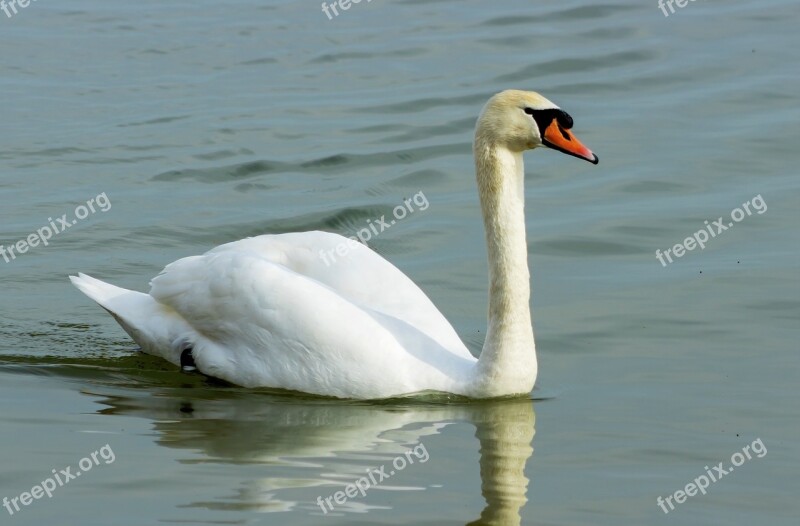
(187, 361)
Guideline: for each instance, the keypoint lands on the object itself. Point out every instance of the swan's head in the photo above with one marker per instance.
(523, 120)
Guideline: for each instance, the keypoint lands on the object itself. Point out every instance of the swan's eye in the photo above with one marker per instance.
(529, 111)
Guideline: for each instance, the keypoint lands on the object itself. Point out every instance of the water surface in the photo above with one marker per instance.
(204, 122)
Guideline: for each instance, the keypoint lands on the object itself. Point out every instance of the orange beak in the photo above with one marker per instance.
(559, 138)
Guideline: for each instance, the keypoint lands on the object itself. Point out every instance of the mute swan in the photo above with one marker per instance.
(267, 312)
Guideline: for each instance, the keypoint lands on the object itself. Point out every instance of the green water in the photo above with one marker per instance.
(205, 122)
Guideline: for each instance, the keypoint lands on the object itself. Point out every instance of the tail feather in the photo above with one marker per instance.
(153, 326)
(100, 291)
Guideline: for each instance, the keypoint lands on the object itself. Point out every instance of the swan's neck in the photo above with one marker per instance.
(507, 364)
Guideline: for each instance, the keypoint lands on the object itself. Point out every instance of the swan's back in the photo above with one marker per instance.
(361, 277)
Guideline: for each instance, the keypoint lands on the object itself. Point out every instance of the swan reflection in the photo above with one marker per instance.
(295, 453)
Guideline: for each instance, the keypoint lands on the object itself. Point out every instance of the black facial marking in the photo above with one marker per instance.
(544, 118)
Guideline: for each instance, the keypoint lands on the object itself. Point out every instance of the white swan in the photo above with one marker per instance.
(268, 312)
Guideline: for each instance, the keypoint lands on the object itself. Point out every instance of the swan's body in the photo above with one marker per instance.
(268, 311)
